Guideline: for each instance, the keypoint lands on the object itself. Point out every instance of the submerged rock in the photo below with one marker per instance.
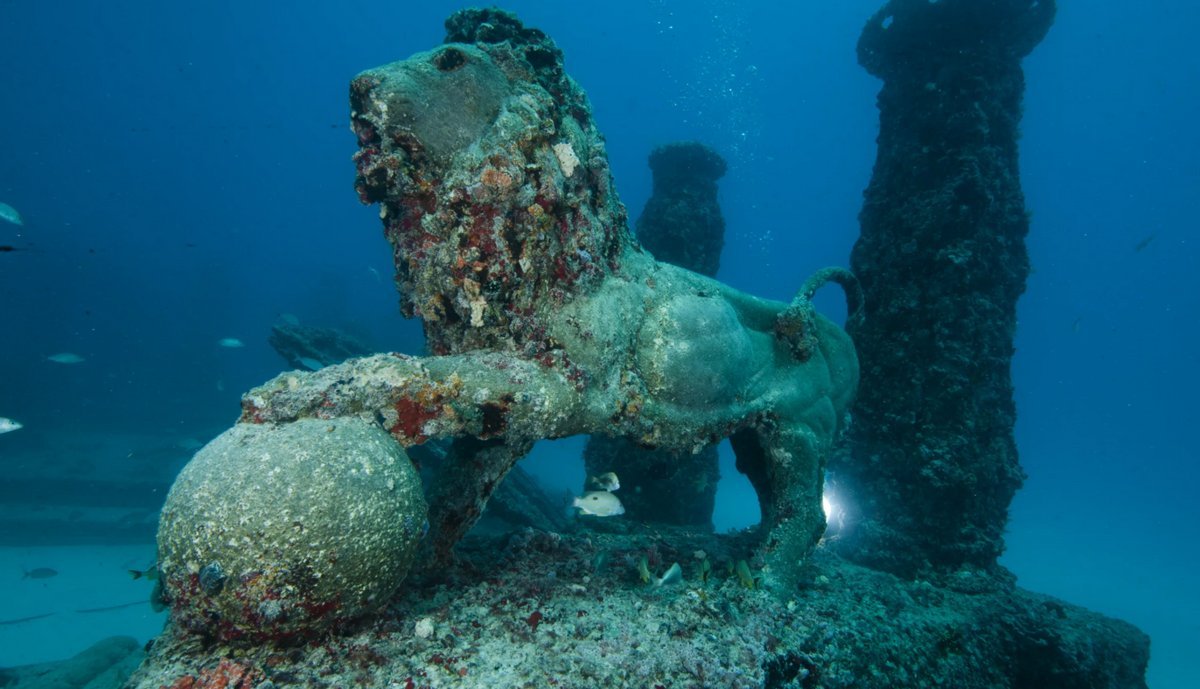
(106, 664)
(310, 348)
(274, 532)
(538, 609)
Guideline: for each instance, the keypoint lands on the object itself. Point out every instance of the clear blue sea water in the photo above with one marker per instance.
(184, 173)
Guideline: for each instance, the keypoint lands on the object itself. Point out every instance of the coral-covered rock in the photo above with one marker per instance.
(543, 610)
(282, 531)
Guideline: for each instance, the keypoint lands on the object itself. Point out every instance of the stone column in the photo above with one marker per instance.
(682, 222)
(931, 464)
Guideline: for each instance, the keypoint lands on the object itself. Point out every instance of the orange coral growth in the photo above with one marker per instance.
(427, 403)
(226, 675)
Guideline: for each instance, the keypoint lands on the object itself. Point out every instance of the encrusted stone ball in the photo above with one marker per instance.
(276, 532)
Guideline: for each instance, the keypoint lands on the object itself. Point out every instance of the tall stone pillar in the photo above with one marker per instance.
(682, 222)
(931, 464)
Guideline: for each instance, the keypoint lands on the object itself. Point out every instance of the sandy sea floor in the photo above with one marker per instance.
(89, 579)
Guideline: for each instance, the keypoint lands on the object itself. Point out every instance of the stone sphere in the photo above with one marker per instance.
(276, 532)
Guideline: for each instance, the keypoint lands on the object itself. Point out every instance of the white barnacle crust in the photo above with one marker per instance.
(566, 158)
(269, 516)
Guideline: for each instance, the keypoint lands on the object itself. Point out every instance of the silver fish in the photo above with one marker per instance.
(7, 425)
(672, 575)
(66, 358)
(10, 214)
(189, 444)
(231, 342)
(608, 482)
(40, 573)
(150, 573)
(311, 364)
(599, 503)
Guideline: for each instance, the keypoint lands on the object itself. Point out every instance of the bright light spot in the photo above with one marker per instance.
(835, 509)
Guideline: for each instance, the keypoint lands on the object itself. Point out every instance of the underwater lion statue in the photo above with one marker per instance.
(543, 316)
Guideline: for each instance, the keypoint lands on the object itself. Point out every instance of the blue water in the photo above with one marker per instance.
(185, 176)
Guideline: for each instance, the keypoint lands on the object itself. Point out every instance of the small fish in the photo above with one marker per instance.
(31, 618)
(231, 342)
(6, 248)
(10, 214)
(189, 444)
(745, 578)
(109, 608)
(375, 273)
(608, 482)
(1143, 244)
(40, 573)
(672, 575)
(1075, 324)
(66, 358)
(8, 425)
(311, 364)
(289, 318)
(149, 574)
(643, 568)
(599, 503)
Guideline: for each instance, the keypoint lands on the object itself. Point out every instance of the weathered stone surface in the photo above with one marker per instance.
(932, 464)
(279, 531)
(498, 405)
(511, 245)
(681, 225)
(541, 609)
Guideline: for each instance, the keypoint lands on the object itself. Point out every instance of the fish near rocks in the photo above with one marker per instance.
(9, 425)
(311, 363)
(608, 482)
(149, 574)
(599, 503)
